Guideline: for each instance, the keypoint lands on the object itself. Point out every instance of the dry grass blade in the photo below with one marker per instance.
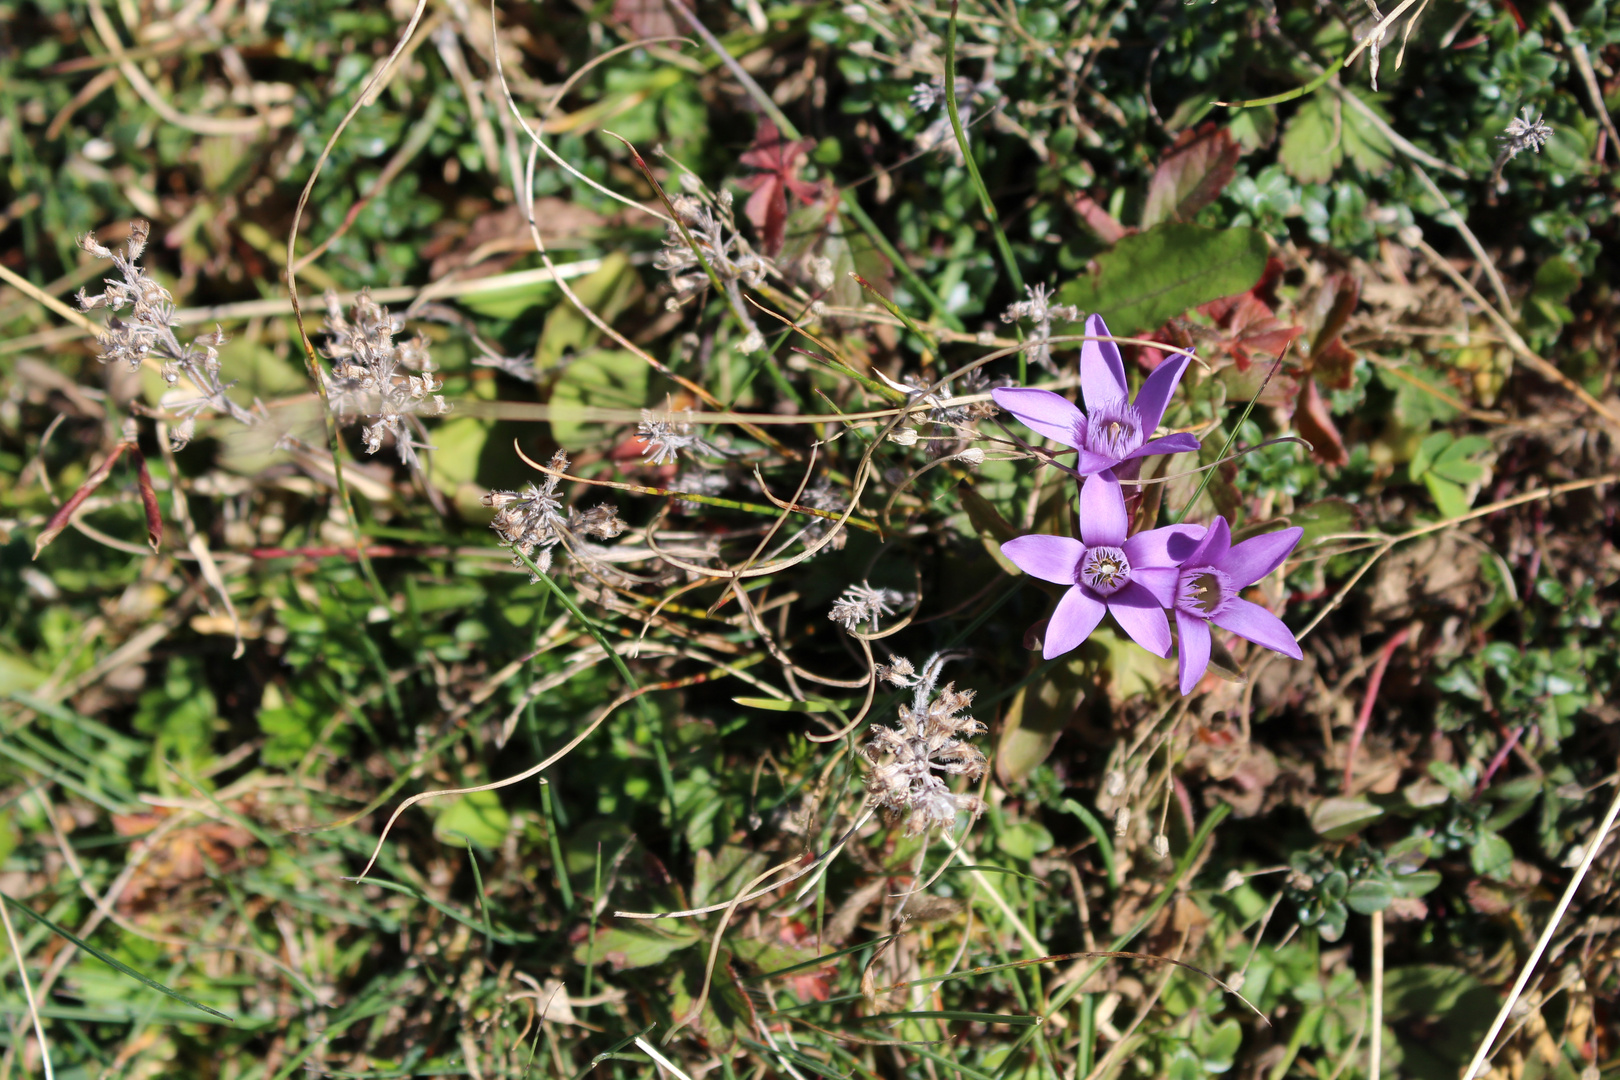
(1593, 845)
(64, 514)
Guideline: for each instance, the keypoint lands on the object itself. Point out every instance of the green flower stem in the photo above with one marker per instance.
(967, 156)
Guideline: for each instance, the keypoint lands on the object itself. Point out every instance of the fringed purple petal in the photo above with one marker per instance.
(1214, 546)
(1050, 558)
(1193, 648)
(1102, 372)
(1169, 546)
(1090, 464)
(1158, 580)
(1260, 626)
(1142, 617)
(1042, 411)
(1258, 556)
(1077, 615)
(1157, 390)
(1181, 442)
(1102, 511)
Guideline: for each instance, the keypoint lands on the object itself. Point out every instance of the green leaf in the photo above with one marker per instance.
(1149, 277)
(1451, 499)
(1417, 883)
(607, 379)
(17, 674)
(478, 816)
(1366, 897)
(1024, 840)
(108, 960)
(1428, 450)
(624, 947)
(1036, 718)
(782, 704)
(1325, 517)
(1339, 816)
(1364, 142)
(1491, 856)
(606, 291)
(1311, 146)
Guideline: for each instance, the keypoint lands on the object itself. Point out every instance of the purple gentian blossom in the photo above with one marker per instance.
(1207, 589)
(1113, 430)
(1134, 579)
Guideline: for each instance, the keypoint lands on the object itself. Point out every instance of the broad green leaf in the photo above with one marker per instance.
(1191, 176)
(1449, 498)
(1254, 129)
(1325, 517)
(1428, 450)
(1024, 840)
(1417, 883)
(1366, 897)
(606, 291)
(17, 674)
(627, 947)
(1311, 146)
(1340, 816)
(1491, 856)
(478, 817)
(457, 447)
(1037, 716)
(607, 379)
(1149, 277)
(1364, 142)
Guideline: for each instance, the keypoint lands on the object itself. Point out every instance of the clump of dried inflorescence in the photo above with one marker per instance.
(149, 331)
(367, 380)
(862, 604)
(665, 440)
(532, 522)
(713, 236)
(911, 760)
(1038, 308)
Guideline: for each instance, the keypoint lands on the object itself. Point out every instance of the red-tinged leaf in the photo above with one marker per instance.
(60, 519)
(1252, 330)
(149, 503)
(1193, 172)
(1332, 307)
(778, 161)
(1335, 365)
(1097, 219)
(1316, 425)
(645, 18)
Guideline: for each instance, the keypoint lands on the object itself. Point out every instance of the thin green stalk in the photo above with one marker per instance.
(596, 905)
(967, 155)
(1203, 481)
(853, 207)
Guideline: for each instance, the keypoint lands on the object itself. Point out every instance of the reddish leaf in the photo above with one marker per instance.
(1193, 172)
(1316, 425)
(1097, 219)
(1251, 327)
(645, 18)
(59, 520)
(1334, 303)
(149, 503)
(1335, 365)
(779, 162)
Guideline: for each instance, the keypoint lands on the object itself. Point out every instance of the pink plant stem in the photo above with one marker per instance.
(1501, 756)
(1374, 681)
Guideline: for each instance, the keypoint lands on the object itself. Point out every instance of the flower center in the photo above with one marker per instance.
(1105, 569)
(1203, 591)
(1114, 430)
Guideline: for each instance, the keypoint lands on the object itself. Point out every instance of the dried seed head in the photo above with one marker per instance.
(911, 759)
(864, 604)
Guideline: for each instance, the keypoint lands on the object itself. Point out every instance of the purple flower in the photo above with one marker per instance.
(1113, 429)
(1134, 579)
(1207, 589)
